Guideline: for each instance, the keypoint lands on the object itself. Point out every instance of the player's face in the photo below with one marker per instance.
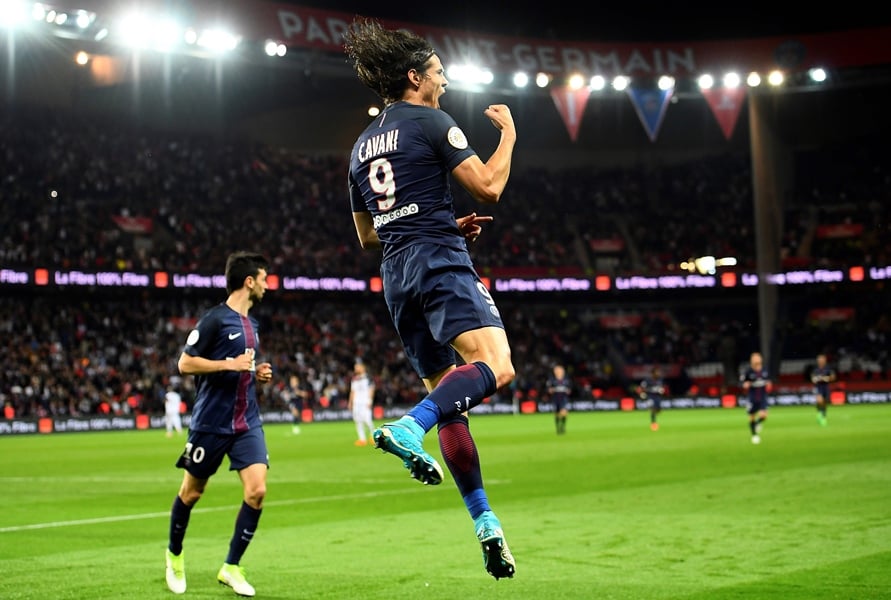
(433, 82)
(257, 287)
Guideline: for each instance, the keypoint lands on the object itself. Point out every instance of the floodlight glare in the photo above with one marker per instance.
(775, 78)
(817, 74)
(620, 82)
(666, 82)
(731, 80)
(705, 81)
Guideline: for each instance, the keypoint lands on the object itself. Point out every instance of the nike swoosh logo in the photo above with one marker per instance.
(232, 336)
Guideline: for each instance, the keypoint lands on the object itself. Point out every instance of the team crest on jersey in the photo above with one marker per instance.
(457, 139)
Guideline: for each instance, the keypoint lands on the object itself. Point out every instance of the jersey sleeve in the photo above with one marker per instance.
(357, 202)
(201, 338)
(448, 139)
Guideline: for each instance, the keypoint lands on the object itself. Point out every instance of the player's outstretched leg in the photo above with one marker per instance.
(404, 439)
(497, 558)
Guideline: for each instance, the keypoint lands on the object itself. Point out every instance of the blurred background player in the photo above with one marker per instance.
(298, 394)
(559, 389)
(221, 354)
(173, 419)
(360, 403)
(399, 185)
(652, 389)
(755, 382)
(821, 377)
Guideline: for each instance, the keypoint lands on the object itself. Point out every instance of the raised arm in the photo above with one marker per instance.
(486, 181)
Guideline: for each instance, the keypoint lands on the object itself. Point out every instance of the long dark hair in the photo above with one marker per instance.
(382, 57)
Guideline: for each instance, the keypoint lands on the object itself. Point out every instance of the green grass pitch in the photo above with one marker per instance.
(610, 510)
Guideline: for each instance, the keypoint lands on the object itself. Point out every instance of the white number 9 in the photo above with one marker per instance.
(380, 178)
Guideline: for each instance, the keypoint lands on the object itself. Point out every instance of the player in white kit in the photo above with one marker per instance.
(361, 399)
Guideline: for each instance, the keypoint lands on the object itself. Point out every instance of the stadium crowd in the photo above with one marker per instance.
(82, 193)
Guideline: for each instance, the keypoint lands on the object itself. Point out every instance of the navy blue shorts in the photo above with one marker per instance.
(434, 294)
(756, 406)
(204, 452)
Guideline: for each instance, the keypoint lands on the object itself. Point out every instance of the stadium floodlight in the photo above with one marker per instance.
(775, 78)
(753, 79)
(38, 12)
(84, 19)
(731, 80)
(167, 35)
(598, 82)
(705, 81)
(218, 41)
(133, 30)
(374, 110)
(138, 30)
(274, 48)
(576, 81)
(521, 79)
(621, 82)
(470, 74)
(12, 14)
(817, 75)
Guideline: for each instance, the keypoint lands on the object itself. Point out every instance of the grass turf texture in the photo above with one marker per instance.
(608, 510)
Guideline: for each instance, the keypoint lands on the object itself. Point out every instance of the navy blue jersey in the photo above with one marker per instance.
(653, 388)
(559, 389)
(226, 401)
(759, 381)
(399, 172)
(821, 377)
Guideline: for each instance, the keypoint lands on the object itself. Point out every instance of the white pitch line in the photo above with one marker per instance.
(156, 515)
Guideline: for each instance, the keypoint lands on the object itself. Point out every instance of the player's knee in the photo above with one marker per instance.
(254, 496)
(190, 496)
(504, 373)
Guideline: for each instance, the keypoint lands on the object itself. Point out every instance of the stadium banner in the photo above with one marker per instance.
(571, 104)
(62, 278)
(650, 106)
(321, 30)
(67, 424)
(725, 104)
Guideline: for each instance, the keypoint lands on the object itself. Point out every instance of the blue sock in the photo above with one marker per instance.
(425, 413)
(457, 392)
(477, 503)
